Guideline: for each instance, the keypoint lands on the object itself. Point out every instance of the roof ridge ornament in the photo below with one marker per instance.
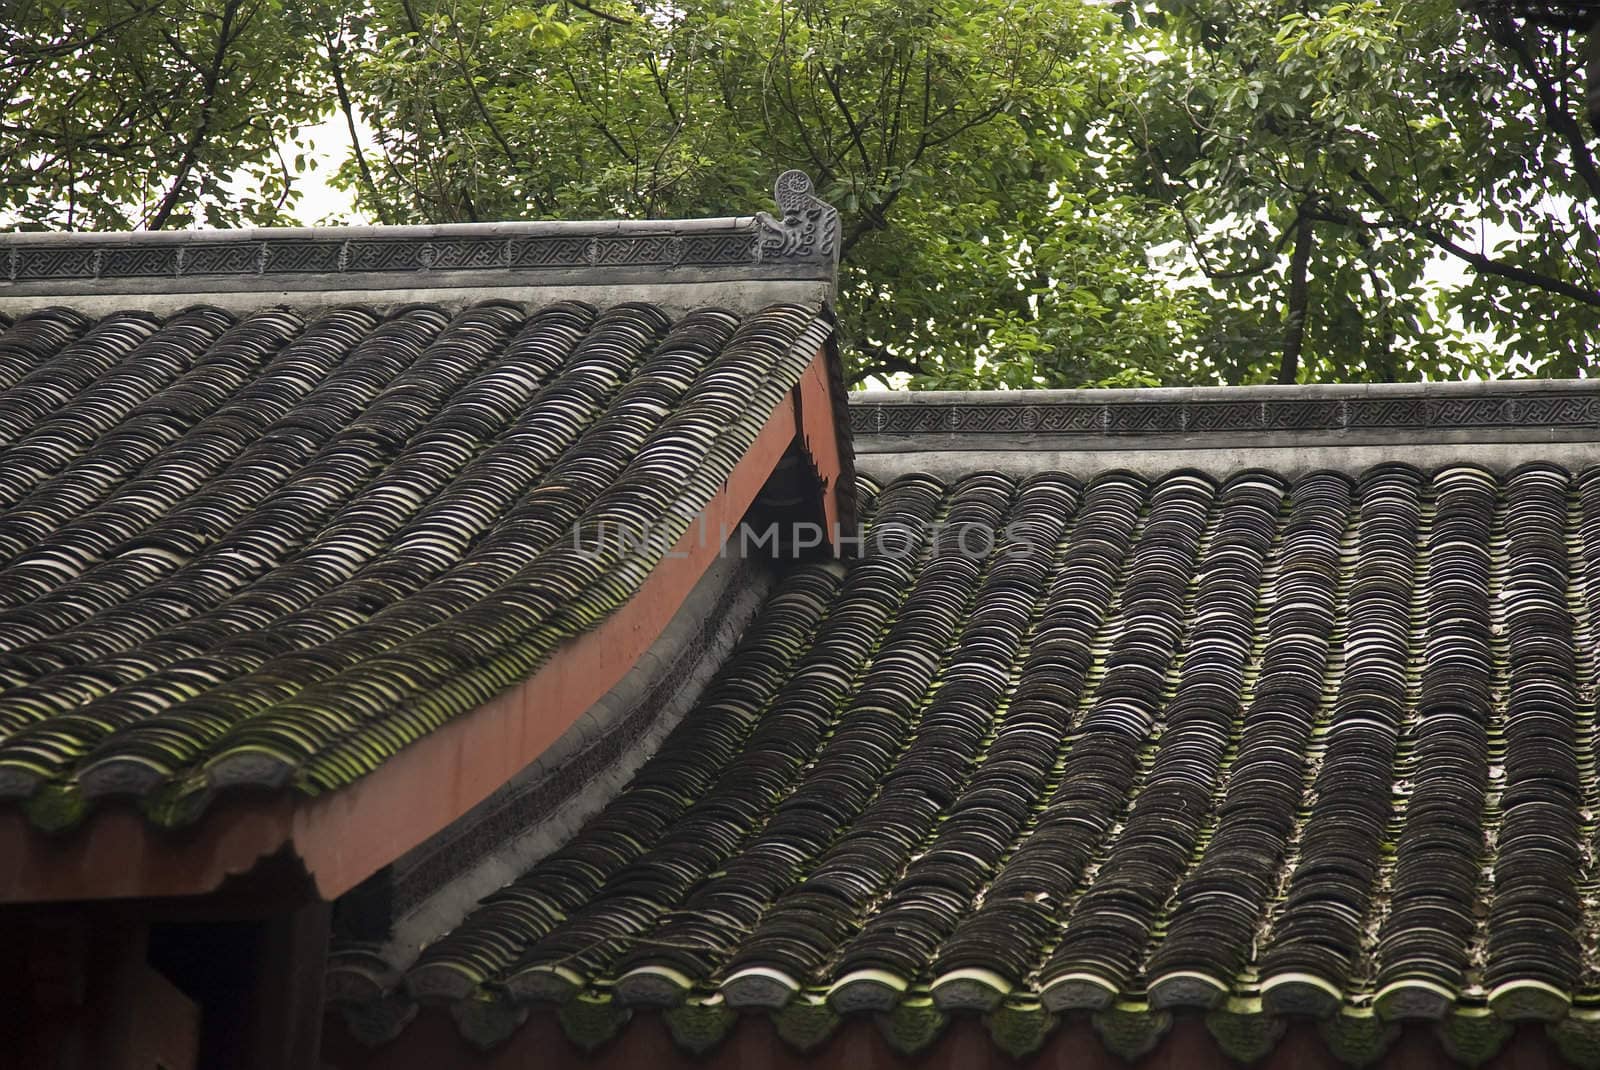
(809, 226)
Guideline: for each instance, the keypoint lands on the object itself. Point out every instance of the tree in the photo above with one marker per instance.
(1325, 156)
(151, 113)
(1058, 193)
(984, 238)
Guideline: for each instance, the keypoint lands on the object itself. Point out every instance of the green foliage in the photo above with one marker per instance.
(151, 113)
(1431, 161)
(985, 240)
(1050, 193)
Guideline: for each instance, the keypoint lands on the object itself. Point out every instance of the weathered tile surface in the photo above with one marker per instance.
(273, 550)
(1243, 745)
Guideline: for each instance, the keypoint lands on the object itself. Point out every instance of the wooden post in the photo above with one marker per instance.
(264, 1005)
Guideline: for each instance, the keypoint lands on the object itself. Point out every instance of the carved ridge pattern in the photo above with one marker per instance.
(1576, 408)
(806, 233)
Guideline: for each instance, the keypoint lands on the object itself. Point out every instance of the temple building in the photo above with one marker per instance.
(508, 645)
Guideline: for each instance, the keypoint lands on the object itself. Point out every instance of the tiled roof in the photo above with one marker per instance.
(272, 550)
(1265, 747)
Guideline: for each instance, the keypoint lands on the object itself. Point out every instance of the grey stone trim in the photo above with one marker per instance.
(1290, 460)
(801, 243)
(1090, 419)
(674, 296)
(438, 882)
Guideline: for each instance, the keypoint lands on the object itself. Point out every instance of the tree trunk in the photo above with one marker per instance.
(1294, 328)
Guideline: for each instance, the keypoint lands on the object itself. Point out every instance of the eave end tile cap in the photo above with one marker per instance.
(759, 988)
(1529, 1001)
(439, 982)
(250, 767)
(358, 976)
(1302, 995)
(545, 984)
(378, 1021)
(487, 1022)
(122, 775)
(1186, 988)
(970, 990)
(652, 986)
(18, 782)
(1413, 998)
(1078, 992)
(866, 990)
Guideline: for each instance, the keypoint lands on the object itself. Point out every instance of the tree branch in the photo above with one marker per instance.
(433, 106)
(849, 121)
(606, 16)
(1505, 33)
(197, 138)
(335, 49)
(478, 104)
(1478, 261)
(883, 364)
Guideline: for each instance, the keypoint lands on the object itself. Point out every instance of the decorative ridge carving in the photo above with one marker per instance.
(809, 225)
(802, 243)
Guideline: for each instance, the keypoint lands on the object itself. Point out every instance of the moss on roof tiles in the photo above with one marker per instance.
(1312, 748)
(271, 553)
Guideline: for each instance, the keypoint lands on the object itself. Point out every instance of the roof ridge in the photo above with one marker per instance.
(800, 243)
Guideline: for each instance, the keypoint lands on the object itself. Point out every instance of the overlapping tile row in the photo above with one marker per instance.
(1216, 912)
(848, 751)
(1105, 939)
(812, 758)
(126, 479)
(1583, 598)
(28, 344)
(1534, 957)
(1425, 938)
(112, 603)
(1260, 747)
(808, 924)
(1318, 931)
(999, 945)
(275, 552)
(942, 882)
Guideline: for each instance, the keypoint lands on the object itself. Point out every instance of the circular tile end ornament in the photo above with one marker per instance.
(1302, 995)
(18, 782)
(438, 982)
(357, 976)
(1529, 1001)
(378, 1021)
(1078, 992)
(488, 1023)
(56, 807)
(130, 776)
(652, 986)
(1186, 988)
(866, 990)
(759, 988)
(545, 984)
(250, 767)
(970, 990)
(1413, 998)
